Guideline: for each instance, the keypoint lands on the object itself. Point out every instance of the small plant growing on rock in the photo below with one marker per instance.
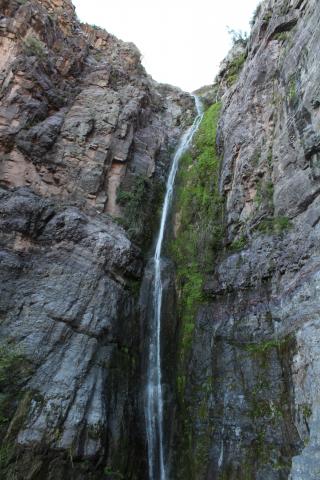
(235, 68)
(238, 37)
(274, 225)
(32, 46)
(281, 36)
(306, 410)
(292, 90)
(238, 244)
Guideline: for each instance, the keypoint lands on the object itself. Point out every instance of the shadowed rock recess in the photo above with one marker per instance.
(86, 140)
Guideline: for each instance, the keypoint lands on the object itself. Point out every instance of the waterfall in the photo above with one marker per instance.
(154, 394)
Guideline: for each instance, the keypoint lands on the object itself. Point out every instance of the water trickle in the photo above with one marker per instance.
(154, 394)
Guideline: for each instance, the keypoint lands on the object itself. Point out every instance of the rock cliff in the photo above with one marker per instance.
(86, 140)
(248, 386)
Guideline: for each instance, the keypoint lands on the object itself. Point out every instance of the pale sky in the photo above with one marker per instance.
(182, 41)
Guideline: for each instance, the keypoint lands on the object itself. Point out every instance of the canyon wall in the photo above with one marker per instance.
(248, 381)
(86, 141)
(86, 138)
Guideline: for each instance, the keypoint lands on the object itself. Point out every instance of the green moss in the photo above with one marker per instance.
(264, 346)
(267, 408)
(6, 453)
(306, 410)
(267, 17)
(199, 209)
(292, 90)
(238, 244)
(262, 351)
(256, 157)
(14, 370)
(281, 36)
(234, 68)
(198, 240)
(274, 225)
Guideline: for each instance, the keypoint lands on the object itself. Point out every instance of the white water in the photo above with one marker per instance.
(154, 394)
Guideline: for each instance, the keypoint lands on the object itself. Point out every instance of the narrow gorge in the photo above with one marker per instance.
(159, 263)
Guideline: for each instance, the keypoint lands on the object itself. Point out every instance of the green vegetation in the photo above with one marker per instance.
(6, 453)
(33, 46)
(292, 93)
(238, 244)
(139, 202)
(269, 224)
(256, 157)
(11, 361)
(238, 37)
(267, 404)
(199, 208)
(306, 410)
(234, 68)
(281, 36)
(264, 346)
(199, 233)
(274, 225)
(14, 371)
(99, 56)
(267, 17)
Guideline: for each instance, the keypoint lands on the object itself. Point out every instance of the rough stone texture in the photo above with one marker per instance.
(253, 375)
(79, 120)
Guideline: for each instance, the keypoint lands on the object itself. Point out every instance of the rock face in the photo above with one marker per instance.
(85, 137)
(85, 143)
(251, 400)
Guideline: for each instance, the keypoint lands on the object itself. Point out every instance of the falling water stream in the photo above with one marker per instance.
(154, 393)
